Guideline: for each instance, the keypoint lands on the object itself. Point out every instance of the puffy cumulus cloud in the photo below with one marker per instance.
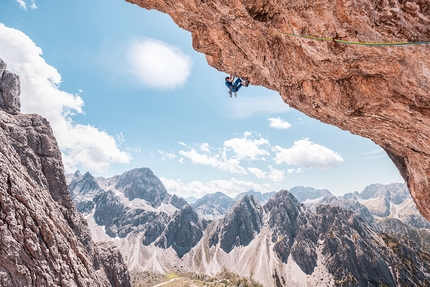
(256, 106)
(158, 65)
(246, 147)
(276, 175)
(279, 123)
(308, 154)
(197, 189)
(205, 148)
(89, 148)
(230, 155)
(221, 162)
(81, 145)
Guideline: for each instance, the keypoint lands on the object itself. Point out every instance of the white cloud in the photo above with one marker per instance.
(375, 154)
(276, 175)
(81, 145)
(247, 148)
(158, 65)
(251, 106)
(230, 187)
(279, 123)
(258, 172)
(33, 4)
(294, 170)
(221, 162)
(167, 155)
(228, 158)
(23, 5)
(205, 148)
(134, 149)
(87, 147)
(308, 154)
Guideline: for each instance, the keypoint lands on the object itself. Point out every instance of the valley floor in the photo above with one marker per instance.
(153, 279)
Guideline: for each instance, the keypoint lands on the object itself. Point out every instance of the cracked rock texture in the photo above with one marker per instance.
(382, 93)
(44, 241)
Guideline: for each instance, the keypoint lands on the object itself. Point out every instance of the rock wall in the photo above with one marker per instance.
(44, 241)
(382, 93)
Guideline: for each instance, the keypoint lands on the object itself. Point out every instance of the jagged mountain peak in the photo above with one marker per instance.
(285, 200)
(10, 90)
(283, 232)
(349, 240)
(138, 188)
(82, 184)
(262, 197)
(147, 211)
(248, 203)
(292, 223)
(240, 225)
(219, 196)
(142, 183)
(309, 193)
(213, 206)
(396, 192)
(183, 231)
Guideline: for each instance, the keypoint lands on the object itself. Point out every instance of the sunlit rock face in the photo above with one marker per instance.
(44, 241)
(382, 93)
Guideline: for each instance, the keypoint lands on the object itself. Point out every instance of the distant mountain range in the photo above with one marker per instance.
(216, 205)
(285, 238)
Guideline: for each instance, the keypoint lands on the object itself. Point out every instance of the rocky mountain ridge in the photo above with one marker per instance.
(44, 240)
(286, 241)
(381, 93)
(385, 208)
(280, 243)
(213, 206)
(216, 205)
(402, 220)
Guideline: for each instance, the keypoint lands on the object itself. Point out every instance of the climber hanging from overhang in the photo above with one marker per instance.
(234, 87)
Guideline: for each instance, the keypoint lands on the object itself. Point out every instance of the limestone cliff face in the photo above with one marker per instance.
(382, 93)
(44, 241)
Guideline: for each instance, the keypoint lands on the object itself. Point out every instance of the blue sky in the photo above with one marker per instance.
(123, 88)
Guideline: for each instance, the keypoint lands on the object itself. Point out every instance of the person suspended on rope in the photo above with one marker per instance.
(234, 87)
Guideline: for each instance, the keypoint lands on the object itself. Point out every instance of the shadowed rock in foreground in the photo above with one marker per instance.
(44, 241)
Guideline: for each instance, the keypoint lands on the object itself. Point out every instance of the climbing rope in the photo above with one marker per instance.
(336, 39)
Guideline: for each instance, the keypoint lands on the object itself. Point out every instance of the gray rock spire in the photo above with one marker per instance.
(10, 90)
